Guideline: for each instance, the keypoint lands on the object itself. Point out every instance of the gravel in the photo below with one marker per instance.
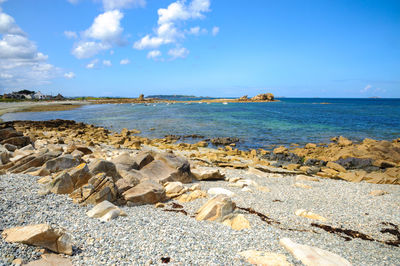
(147, 235)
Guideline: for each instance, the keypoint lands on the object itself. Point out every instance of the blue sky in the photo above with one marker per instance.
(201, 47)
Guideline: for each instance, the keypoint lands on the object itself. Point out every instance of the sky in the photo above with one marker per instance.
(219, 48)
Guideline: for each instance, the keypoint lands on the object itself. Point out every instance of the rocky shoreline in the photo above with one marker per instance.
(158, 201)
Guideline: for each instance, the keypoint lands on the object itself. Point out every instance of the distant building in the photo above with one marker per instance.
(39, 96)
(30, 95)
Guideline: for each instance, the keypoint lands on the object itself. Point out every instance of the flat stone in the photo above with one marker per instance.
(147, 192)
(105, 211)
(51, 260)
(216, 209)
(208, 174)
(264, 258)
(309, 215)
(220, 191)
(197, 194)
(306, 178)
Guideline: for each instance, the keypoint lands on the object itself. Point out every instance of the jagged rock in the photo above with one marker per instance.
(263, 97)
(236, 222)
(264, 258)
(9, 132)
(280, 149)
(220, 191)
(29, 161)
(103, 166)
(50, 260)
(99, 188)
(125, 162)
(216, 209)
(123, 185)
(195, 187)
(143, 158)
(10, 147)
(208, 174)
(342, 141)
(134, 177)
(105, 211)
(58, 164)
(174, 189)
(80, 175)
(20, 142)
(197, 194)
(61, 184)
(310, 146)
(313, 256)
(309, 215)
(147, 192)
(41, 235)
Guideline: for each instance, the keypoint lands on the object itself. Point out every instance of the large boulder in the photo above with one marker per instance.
(80, 175)
(144, 158)
(19, 142)
(61, 184)
(103, 166)
(9, 132)
(58, 164)
(167, 168)
(31, 161)
(125, 162)
(147, 192)
(40, 235)
(216, 209)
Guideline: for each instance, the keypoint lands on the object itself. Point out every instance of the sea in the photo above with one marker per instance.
(257, 125)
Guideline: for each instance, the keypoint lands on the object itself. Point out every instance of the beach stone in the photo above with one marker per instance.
(309, 215)
(4, 155)
(208, 174)
(280, 150)
(378, 193)
(147, 192)
(51, 260)
(80, 175)
(313, 256)
(264, 258)
(216, 208)
(174, 189)
(220, 191)
(20, 142)
(236, 222)
(143, 158)
(60, 163)
(306, 178)
(8, 132)
(105, 211)
(301, 185)
(125, 162)
(133, 176)
(195, 187)
(61, 184)
(41, 235)
(10, 147)
(263, 189)
(336, 166)
(103, 166)
(197, 194)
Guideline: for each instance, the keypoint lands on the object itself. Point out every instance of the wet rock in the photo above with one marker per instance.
(147, 192)
(41, 235)
(216, 209)
(313, 256)
(357, 163)
(264, 258)
(315, 162)
(10, 147)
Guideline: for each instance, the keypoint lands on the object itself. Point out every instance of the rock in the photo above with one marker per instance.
(378, 193)
(224, 141)
(103, 166)
(105, 211)
(336, 167)
(147, 192)
(8, 132)
(17, 262)
(342, 141)
(125, 162)
(159, 205)
(62, 184)
(174, 189)
(20, 142)
(220, 191)
(123, 185)
(10, 147)
(306, 178)
(133, 177)
(197, 194)
(309, 215)
(292, 166)
(313, 256)
(51, 260)
(264, 258)
(236, 222)
(263, 189)
(41, 235)
(216, 209)
(30, 161)
(355, 163)
(143, 158)
(310, 146)
(60, 163)
(280, 150)
(80, 175)
(4, 155)
(263, 97)
(301, 185)
(195, 187)
(208, 174)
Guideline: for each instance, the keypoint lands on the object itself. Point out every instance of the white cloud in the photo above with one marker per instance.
(21, 64)
(124, 61)
(120, 4)
(366, 88)
(168, 30)
(196, 31)
(107, 63)
(92, 64)
(215, 31)
(178, 52)
(69, 75)
(89, 49)
(106, 27)
(71, 34)
(154, 54)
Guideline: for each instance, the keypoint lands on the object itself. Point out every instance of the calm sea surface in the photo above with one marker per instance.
(256, 124)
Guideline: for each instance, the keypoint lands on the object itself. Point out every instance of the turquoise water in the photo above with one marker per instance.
(255, 124)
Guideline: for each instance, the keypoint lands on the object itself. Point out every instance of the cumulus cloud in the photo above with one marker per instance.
(71, 34)
(92, 64)
(69, 75)
(124, 61)
(178, 52)
(153, 54)
(21, 64)
(196, 31)
(215, 31)
(107, 63)
(106, 27)
(168, 30)
(89, 49)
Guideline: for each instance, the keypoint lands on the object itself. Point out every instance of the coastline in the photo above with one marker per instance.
(268, 199)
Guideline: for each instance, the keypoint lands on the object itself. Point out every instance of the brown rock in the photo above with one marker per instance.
(236, 222)
(208, 174)
(62, 184)
(336, 167)
(292, 166)
(9, 132)
(103, 166)
(342, 141)
(147, 192)
(41, 235)
(378, 193)
(196, 194)
(216, 208)
(280, 149)
(143, 158)
(51, 260)
(80, 175)
(20, 142)
(125, 162)
(60, 163)
(310, 146)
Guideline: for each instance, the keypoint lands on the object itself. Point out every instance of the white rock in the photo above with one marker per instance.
(220, 191)
(313, 256)
(105, 211)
